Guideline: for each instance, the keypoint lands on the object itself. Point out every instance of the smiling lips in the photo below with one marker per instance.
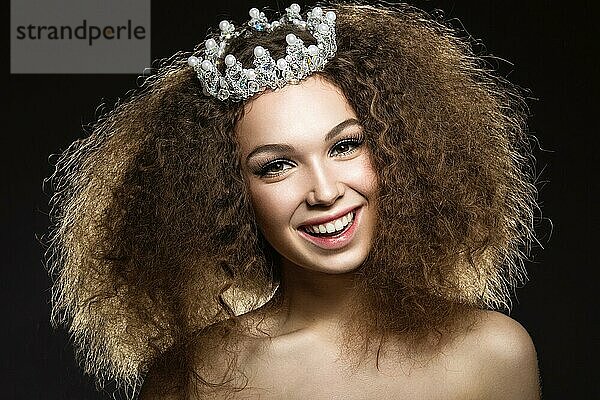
(332, 227)
(333, 234)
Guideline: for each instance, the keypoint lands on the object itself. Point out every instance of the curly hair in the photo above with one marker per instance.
(153, 236)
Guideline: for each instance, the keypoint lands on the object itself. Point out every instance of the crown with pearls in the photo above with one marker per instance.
(238, 83)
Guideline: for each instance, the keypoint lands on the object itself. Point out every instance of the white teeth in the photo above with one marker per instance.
(330, 227)
(338, 225)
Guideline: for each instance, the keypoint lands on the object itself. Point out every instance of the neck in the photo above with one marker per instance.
(315, 301)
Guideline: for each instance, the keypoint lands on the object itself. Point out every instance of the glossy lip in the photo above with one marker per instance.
(324, 220)
(338, 241)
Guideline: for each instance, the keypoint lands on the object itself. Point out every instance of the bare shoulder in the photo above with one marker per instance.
(503, 356)
(211, 364)
(207, 355)
(165, 379)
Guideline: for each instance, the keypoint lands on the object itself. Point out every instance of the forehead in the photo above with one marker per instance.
(310, 108)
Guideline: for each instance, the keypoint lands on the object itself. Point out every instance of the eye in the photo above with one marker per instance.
(274, 168)
(346, 146)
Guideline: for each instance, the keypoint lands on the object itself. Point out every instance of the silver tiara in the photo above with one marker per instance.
(239, 83)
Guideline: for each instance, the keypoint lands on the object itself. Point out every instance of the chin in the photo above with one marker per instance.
(333, 264)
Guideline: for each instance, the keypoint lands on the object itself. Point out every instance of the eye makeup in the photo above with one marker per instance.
(353, 141)
(277, 166)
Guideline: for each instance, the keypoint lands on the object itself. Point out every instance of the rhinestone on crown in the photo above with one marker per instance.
(238, 83)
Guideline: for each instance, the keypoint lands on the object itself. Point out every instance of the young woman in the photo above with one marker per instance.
(339, 224)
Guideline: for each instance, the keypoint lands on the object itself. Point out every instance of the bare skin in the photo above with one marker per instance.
(296, 354)
(492, 359)
(495, 359)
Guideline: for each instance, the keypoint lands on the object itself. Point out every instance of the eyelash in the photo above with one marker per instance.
(263, 170)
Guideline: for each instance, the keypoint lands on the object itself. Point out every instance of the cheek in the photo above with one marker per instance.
(370, 180)
(273, 205)
(362, 177)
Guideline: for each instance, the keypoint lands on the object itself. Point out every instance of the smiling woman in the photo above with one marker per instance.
(309, 177)
(313, 208)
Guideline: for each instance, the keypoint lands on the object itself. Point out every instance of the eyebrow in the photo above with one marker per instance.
(336, 130)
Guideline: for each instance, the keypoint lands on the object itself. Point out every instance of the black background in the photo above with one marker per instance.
(551, 45)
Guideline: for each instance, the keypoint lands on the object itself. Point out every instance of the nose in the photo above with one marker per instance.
(325, 187)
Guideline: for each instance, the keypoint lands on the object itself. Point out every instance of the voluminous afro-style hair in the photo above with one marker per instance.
(154, 238)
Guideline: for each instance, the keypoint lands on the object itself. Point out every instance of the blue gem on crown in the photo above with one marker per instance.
(238, 83)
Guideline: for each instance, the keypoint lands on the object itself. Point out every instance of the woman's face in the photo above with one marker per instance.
(309, 175)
